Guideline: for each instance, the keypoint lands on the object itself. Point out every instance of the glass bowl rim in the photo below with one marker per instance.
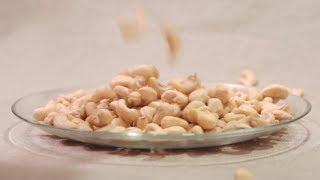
(150, 136)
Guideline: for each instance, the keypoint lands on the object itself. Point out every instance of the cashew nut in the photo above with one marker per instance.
(269, 107)
(156, 85)
(255, 104)
(248, 78)
(116, 122)
(221, 123)
(227, 109)
(243, 174)
(41, 113)
(147, 114)
(148, 94)
(103, 104)
(267, 99)
(275, 91)
(90, 108)
(281, 115)
(75, 120)
(169, 121)
(104, 117)
(221, 92)
(164, 109)
(61, 120)
(186, 86)
(61, 108)
(146, 71)
(63, 101)
(199, 95)
(264, 120)
(49, 118)
(236, 101)
(173, 96)
(215, 106)
(192, 105)
(173, 40)
(125, 113)
(206, 119)
(123, 80)
(132, 28)
(245, 109)
(235, 125)
(102, 93)
(142, 122)
(134, 99)
(140, 81)
(122, 92)
(196, 129)
(71, 97)
(153, 127)
(174, 130)
(233, 117)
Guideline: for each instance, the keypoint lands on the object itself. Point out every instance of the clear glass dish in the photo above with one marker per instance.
(23, 108)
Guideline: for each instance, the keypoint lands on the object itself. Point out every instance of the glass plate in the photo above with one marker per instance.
(23, 108)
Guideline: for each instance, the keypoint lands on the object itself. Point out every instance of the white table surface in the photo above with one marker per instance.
(49, 44)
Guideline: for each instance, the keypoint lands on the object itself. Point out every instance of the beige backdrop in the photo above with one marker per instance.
(49, 44)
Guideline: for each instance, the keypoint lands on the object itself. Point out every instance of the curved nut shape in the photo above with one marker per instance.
(264, 120)
(122, 92)
(41, 113)
(221, 92)
(134, 99)
(281, 115)
(199, 95)
(91, 108)
(233, 117)
(206, 119)
(61, 120)
(196, 129)
(104, 117)
(245, 109)
(147, 112)
(186, 111)
(215, 106)
(164, 109)
(156, 85)
(125, 113)
(275, 91)
(248, 78)
(102, 93)
(186, 86)
(123, 80)
(173, 96)
(145, 71)
(169, 121)
(148, 94)
(153, 127)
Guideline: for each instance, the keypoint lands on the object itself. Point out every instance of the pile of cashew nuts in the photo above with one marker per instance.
(135, 101)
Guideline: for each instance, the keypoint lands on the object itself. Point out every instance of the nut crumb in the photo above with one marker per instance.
(243, 174)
